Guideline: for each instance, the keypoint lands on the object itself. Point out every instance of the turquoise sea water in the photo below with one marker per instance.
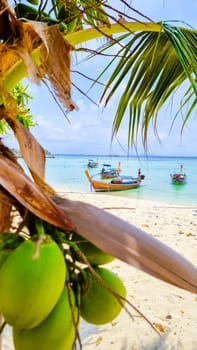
(67, 173)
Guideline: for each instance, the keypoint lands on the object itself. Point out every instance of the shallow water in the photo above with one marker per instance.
(67, 172)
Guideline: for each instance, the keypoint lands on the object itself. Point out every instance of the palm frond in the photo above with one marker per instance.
(152, 67)
(184, 42)
(189, 100)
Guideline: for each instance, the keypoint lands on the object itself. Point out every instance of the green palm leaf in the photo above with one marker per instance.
(153, 66)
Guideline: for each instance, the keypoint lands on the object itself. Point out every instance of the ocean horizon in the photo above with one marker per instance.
(120, 156)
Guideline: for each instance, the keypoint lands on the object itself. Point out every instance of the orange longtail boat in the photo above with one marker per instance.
(113, 185)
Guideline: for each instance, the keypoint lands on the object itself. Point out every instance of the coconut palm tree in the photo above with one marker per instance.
(153, 59)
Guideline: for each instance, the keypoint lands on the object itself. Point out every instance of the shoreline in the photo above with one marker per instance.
(98, 196)
(171, 310)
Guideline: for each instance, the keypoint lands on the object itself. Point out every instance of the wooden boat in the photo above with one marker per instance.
(108, 172)
(113, 185)
(180, 177)
(92, 163)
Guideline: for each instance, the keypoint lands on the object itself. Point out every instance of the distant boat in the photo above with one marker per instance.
(92, 163)
(180, 177)
(114, 184)
(50, 156)
(108, 172)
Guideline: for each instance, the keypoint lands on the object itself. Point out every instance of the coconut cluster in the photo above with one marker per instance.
(46, 286)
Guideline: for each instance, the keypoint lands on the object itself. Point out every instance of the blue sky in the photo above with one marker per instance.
(89, 129)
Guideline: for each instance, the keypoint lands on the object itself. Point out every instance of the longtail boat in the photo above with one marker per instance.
(113, 185)
(179, 178)
(108, 172)
(92, 163)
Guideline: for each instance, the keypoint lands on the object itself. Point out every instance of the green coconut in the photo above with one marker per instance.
(94, 255)
(56, 332)
(32, 279)
(98, 304)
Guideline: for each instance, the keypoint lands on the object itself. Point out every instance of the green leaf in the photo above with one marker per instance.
(152, 67)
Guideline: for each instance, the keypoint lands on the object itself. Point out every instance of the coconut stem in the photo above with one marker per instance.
(38, 243)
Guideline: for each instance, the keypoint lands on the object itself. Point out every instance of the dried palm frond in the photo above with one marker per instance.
(23, 45)
(6, 200)
(5, 211)
(130, 244)
(20, 43)
(8, 58)
(26, 192)
(31, 151)
(55, 58)
(55, 55)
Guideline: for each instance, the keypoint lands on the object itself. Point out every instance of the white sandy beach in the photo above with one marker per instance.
(171, 310)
